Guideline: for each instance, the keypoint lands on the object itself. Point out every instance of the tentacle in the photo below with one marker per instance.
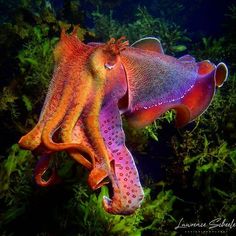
(83, 82)
(77, 135)
(32, 139)
(70, 56)
(81, 159)
(121, 171)
(50, 113)
(97, 176)
(41, 168)
(83, 88)
(93, 128)
(70, 121)
(54, 122)
(127, 189)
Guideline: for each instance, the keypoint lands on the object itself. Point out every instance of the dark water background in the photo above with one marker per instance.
(203, 17)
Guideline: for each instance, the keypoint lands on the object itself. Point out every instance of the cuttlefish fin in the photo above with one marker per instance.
(205, 67)
(187, 58)
(144, 117)
(200, 96)
(221, 74)
(150, 44)
(192, 103)
(197, 100)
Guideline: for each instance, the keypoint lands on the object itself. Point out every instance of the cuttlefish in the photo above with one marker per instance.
(93, 85)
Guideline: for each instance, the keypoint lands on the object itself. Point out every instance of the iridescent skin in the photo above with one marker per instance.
(92, 86)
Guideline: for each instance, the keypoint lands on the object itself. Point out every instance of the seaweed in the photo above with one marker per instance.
(208, 158)
(16, 168)
(145, 25)
(105, 26)
(92, 218)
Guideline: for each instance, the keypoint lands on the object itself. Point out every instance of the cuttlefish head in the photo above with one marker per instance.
(106, 56)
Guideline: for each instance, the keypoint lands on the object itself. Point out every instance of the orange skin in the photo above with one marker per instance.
(92, 82)
(92, 85)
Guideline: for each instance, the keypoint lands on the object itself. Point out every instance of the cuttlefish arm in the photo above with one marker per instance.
(69, 78)
(158, 82)
(123, 175)
(42, 167)
(127, 190)
(62, 108)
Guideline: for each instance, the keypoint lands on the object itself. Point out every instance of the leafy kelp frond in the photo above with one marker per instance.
(105, 3)
(210, 166)
(106, 27)
(231, 35)
(170, 34)
(232, 12)
(36, 60)
(150, 218)
(15, 185)
(139, 139)
(13, 166)
(213, 49)
(7, 102)
(222, 48)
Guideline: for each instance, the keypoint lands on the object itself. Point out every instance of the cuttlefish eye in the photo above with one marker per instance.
(109, 66)
(110, 62)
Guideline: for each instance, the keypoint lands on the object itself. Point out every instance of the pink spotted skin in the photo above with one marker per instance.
(123, 174)
(127, 190)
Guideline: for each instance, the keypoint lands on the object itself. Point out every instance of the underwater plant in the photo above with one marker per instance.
(105, 27)
(145, 25)
(16, 168)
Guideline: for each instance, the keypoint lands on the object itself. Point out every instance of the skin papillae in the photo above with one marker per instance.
(92, 86)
